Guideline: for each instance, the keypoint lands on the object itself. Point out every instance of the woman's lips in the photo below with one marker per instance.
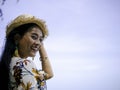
(35, 48)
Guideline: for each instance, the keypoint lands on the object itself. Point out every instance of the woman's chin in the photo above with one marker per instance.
(32, 54)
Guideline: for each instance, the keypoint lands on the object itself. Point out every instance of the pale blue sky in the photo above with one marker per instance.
(83, 42)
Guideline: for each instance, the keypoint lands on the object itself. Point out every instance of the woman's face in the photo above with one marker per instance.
(30, 43)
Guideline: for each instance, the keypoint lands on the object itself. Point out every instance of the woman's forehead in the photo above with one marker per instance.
(36, 30)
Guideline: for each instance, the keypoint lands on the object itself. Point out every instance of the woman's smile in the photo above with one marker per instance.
(30, 43)
(35, 48)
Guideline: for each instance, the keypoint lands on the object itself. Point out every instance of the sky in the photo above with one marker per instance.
(83, 43)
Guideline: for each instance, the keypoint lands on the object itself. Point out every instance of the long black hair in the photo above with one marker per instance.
(8, 52)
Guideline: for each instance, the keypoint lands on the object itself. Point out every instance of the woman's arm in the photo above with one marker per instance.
(46, 66)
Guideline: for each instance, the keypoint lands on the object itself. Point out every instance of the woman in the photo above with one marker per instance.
(24, 37)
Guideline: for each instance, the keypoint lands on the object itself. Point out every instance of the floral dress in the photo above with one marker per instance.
(25, 76)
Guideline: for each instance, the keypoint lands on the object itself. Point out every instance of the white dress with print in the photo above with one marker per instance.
(25, 76)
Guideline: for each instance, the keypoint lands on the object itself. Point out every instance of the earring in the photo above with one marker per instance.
(16, 52)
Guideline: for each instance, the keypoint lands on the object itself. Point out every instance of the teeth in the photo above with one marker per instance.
(35, 49)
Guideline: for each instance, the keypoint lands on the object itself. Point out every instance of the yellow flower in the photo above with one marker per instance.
(27, 87)
(37, 74)
(42, 83)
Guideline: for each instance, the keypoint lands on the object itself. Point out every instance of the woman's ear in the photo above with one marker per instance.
(17, 38)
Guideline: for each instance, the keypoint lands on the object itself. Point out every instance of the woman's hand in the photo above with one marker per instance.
(46, 66)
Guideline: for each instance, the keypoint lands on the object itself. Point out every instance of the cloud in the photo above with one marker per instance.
(79, 44)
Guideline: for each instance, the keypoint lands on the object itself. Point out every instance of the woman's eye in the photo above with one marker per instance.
(34, 37)
(41, 39)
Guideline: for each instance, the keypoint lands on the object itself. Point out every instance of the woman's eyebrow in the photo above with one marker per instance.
(37, 35)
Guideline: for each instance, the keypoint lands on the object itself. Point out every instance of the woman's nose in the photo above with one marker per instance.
(38, 42)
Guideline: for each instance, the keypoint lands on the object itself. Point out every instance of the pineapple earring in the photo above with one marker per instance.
(16, 54)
